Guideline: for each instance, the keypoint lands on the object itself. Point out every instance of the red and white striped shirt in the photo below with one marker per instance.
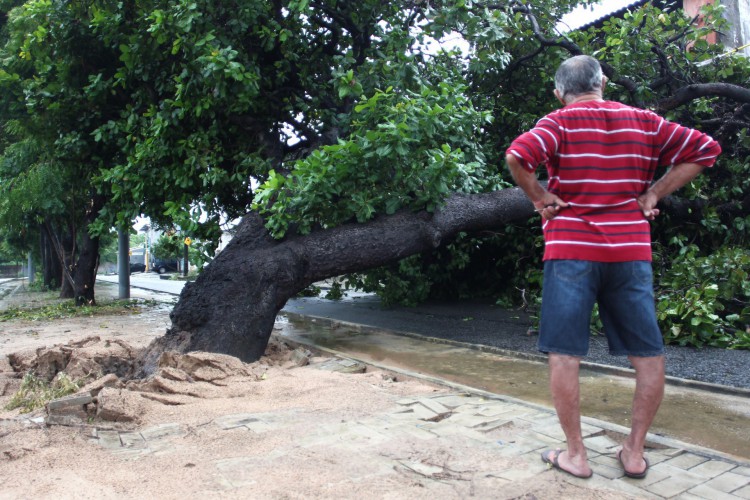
(600, 156)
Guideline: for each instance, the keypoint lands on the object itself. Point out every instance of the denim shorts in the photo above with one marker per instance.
(624, 292)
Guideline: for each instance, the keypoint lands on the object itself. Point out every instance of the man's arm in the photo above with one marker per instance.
(546, 203)
(674, 179)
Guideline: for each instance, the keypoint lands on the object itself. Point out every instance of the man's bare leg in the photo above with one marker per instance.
(649, 391)
(564, 385)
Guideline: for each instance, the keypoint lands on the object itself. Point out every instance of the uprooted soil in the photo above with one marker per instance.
(281, 427)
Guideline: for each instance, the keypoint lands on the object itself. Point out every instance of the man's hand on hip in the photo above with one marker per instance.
(647, 201)
(549, 205)
(674, 179)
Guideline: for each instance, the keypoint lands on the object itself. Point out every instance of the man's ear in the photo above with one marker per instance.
(559, 97)
(604, 83)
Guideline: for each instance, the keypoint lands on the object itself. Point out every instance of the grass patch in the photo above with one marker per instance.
(36, 392)
(191, 276)
(68, 309)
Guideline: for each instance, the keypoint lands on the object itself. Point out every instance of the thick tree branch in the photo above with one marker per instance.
(574, 50)
(683, 210)
(692, 92)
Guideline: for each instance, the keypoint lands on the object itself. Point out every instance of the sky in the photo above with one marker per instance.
(578, 17)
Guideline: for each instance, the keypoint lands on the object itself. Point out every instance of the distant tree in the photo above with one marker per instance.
(52, 105)
(167, 247)
(8, 252)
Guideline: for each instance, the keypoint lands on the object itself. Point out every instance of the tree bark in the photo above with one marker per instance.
(51, 265)
(67, 249)
(84, 274)
(232, 306)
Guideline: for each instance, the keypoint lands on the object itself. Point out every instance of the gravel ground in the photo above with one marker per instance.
(486, 324)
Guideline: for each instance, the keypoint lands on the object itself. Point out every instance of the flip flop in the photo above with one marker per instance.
(553, 462)
(633, 475)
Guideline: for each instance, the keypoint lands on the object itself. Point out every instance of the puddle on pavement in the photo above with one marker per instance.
(716, 421)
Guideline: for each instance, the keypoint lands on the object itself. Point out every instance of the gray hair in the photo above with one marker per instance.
(578, 75)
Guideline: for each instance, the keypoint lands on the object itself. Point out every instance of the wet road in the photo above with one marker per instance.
(147, 281)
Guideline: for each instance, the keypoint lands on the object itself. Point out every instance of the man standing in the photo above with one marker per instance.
(601, 157)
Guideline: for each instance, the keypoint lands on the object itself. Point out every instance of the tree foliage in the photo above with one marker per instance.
(167, 247)
(418, 148)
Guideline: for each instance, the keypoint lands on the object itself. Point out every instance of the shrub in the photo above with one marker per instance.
(705, 300)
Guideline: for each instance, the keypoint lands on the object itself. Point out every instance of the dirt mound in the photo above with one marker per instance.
(101, 370)
(87, 359)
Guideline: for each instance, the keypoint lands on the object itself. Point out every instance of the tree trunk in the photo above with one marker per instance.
(67, 248)
(232, 306)
(63, 248)
(51, 266)
(84, 274)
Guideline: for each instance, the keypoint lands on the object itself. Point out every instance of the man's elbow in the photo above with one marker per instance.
(692, 169)
(514, 165)
(512, 161)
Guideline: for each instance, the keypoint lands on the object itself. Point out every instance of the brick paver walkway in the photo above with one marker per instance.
(491, 426)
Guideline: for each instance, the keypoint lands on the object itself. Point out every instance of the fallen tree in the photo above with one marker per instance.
(232, 306)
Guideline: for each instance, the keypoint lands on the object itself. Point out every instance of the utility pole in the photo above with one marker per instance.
(32, 271)
(185, 249)
(123, 262)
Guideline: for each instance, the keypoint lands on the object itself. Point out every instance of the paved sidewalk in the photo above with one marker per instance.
(456, 420)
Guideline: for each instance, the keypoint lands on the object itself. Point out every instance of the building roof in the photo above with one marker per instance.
(582, 18)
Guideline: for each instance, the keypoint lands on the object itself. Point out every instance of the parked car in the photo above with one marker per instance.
(163, 266)
(135, 267)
